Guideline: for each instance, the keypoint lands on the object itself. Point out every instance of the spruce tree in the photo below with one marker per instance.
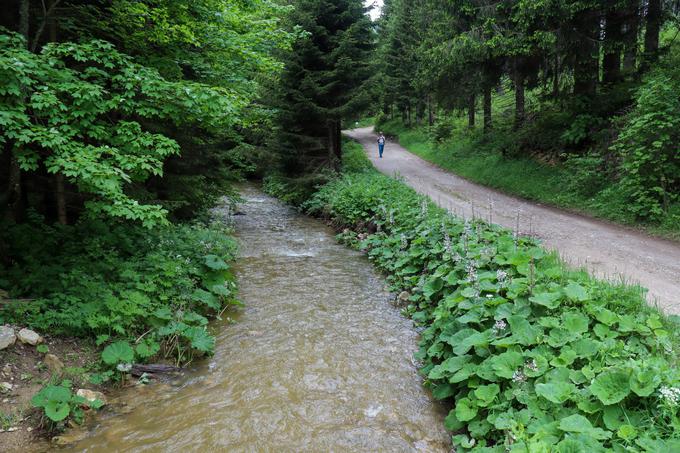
(323, 82)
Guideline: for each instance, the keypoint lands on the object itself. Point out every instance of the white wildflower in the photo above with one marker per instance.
(518, 376)
(500, 325)
(532, 365)
(670, 395)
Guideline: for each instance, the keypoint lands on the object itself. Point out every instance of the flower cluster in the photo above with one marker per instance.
(518, 376)
(670, 395)
(499, 326)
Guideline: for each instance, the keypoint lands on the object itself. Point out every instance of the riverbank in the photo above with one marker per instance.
(107, 299)
(576, 185)
(530, 353)
(24, 370)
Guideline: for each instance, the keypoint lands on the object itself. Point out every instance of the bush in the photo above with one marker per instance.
(648, 144)
(121, 281)
(532, 356)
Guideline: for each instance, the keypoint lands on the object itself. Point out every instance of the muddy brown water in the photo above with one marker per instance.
(319, 359)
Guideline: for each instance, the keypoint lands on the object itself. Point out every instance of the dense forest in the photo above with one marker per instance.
(587, 89)
(123, 123)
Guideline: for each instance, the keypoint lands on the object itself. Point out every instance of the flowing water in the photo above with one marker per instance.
(319, 359)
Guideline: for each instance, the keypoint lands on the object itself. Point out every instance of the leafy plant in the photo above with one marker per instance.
(532, 356)
(58, 402)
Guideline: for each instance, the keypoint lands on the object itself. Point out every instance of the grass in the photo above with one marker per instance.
(479, 160)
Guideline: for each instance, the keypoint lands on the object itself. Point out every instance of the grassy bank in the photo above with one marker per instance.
(576, 184)
(531, 355)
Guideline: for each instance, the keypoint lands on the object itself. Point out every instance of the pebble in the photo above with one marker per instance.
(29, 337)
(6, 387)
(91, 395)
(7, 337)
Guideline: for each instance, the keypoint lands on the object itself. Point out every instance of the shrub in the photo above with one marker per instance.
(122, 281)
(531, 355)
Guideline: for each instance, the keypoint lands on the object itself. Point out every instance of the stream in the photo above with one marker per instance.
(318, 360)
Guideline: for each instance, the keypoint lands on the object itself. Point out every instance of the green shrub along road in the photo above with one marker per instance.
(576, 184)
(532, 356)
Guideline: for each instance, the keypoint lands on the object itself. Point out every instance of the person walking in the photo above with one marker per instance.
(381, 144)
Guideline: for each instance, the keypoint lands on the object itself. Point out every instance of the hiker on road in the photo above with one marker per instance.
(381, 144)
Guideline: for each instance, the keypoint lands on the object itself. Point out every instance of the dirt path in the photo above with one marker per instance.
(608, 250)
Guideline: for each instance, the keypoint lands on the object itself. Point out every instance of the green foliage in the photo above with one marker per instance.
(59, 403)
(118, 282)
(531, 355)
(76, 109)
(648, 144)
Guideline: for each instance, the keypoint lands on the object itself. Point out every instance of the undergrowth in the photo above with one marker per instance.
(533, 356)
(142, 294)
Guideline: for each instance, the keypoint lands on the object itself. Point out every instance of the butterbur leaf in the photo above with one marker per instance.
(579, 424)
(57, 410)
(146, 349)
(576, 292)
(548, 300)
(485, 394)
(214, 262)
(627, 432)
(575, 323)
(644, 382)
(465, 410)
(448, 367)
(118, 352)
(209, 299)
(443, 391)
(200, 339)
(523, 331)
(556, 392)
(504, 365)
(452, 423)
(611, 386)
(432, 286)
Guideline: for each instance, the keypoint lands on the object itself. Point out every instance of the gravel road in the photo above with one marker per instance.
(608, 250)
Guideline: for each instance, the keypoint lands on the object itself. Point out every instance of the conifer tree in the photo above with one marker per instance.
(323, 82)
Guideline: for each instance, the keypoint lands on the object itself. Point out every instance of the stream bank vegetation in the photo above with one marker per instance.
(532, 355)
(121, 124)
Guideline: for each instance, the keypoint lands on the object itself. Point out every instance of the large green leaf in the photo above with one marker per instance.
(576, 292)
(215, 263)
(118, 352)
(548, 300)
(448, 367)
(465, 410)
(579, 424)
(557, 392)
(644, 382)
(526, 333)
(504, 365)
(611, 386)
(485, 394)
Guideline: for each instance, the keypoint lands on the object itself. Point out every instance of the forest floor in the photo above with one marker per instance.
(608, 250)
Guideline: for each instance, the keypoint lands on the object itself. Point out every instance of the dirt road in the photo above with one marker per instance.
(608, 250)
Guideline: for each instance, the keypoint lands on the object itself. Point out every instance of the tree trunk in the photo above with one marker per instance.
(430, 113)
(556, 77)
(334, 147)
(487, 109)
(14, 189)
(586, 64)
(471, 111)
(61, 198)
(519, 100)
(652, 30)
(611, 62)
(630, 38)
